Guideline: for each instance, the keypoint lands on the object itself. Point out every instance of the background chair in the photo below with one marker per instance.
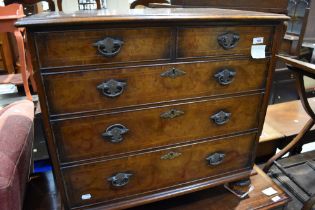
(300, 70)
(32, 2)
(8, 16)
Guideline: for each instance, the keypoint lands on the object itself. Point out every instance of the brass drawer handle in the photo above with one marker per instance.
(215, 158)
(170, 155)
(221, 117)
(172, 114)
(120, 179)
(114, 133)
(173, 73)
(228, 40)
(112, 88)
(109, 47)
(225, 76)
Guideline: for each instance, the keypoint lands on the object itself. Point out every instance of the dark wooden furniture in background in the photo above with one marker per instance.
(284, 82)
(278, 6)
(146, 3)
(296, 175)
(143, 107)
(300, 69)
(298, 11)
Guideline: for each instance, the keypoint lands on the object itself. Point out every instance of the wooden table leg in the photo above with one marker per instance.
(21, 52)
(30, 67)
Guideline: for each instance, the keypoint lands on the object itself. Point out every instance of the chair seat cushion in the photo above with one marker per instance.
(16, 135)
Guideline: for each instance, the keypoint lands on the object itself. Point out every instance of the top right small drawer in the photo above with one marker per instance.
(216, 41)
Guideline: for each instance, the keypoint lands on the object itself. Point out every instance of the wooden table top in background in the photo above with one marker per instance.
(288, 118)
(269, 133)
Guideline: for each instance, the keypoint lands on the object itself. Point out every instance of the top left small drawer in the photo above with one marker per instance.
(106, 46)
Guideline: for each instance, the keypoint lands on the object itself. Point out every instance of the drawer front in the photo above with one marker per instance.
(118, 178)
(214, 41)
(114, 134)
(87, 91)
(69, 48)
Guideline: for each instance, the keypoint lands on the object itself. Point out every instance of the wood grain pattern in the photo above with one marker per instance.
(69, 48)
(81, 138)
(74, 127)
(152, 173)
(42, 194)
(198, 42)
(278, 6)
(148, 16)
(75, 92)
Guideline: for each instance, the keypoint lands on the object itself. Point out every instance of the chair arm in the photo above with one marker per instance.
(297, 64)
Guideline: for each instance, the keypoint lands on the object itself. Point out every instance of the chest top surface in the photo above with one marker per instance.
(147, 14)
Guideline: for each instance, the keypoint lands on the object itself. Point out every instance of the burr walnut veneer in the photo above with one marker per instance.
(150, 104)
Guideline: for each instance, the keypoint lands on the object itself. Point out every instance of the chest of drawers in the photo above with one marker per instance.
(149, 104)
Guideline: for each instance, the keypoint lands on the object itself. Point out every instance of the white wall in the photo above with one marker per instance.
(72, 5)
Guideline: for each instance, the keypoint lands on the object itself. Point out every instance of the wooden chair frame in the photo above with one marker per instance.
(300, 70)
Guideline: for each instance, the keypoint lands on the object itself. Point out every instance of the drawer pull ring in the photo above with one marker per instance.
(215, 158)
(172, 114)
(114, 133)
(221, 117)
(170, 155)
(225, 76)
(173, 73)
(112, 88)
(228, 40)
(120, 179)
(109, 47)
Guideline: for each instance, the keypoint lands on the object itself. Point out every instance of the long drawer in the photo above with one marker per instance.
(86, 47)
(117, 133)
(133, 175)
(107, 89)
(218, 41)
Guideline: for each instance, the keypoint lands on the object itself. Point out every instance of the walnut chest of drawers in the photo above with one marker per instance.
(149, 104)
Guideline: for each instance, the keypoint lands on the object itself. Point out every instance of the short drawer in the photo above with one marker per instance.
(148, 172)
(214, 41)
(118, 133)
(125, 87)
(71, 48)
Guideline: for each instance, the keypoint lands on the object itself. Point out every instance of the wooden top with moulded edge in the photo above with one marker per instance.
(147, 14)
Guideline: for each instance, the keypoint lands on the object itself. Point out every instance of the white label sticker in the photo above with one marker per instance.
(258, 51)
(276, 198)
(269, 191)
(86, 196)
(258, 40)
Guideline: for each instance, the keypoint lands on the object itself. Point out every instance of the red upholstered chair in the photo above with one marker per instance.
(16, 137)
